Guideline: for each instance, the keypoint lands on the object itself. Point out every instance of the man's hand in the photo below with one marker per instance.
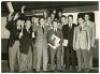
(16, 16)
(23, 8)
(53, 47)
(10, 8)
(57, 45)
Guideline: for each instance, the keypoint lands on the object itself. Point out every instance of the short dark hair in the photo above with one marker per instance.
(52, 13)
(63, 16)
(81, 17)
(87, 14)
(54, 21)
(20, 18)
(59, 10)
(70, 16)
(41, 18)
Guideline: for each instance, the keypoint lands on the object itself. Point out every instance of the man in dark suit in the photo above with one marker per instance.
(69, 55)
(55, 46)
(25, 47)
(63, 22)
(14, 25)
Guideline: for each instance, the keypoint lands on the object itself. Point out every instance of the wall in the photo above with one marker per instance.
(4, 32)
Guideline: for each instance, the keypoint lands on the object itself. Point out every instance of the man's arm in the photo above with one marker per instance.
(10, 8)
(93, 34)
(61, 37)
(74, 39)
(88, 38)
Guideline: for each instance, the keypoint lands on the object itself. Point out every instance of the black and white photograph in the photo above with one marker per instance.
(50, 36)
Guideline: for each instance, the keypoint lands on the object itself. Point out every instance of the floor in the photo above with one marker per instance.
(5, 69)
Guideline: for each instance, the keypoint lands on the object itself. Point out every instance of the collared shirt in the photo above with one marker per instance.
(70, 25)
(55, 29)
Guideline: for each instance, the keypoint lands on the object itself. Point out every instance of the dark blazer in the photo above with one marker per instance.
(14, 32)
(68, 33)
(26, 41)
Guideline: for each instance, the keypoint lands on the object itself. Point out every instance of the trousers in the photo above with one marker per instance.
(42, 58)
(26, 61)
(70, 58)
(83, 59)
(55, 55)
(13, 53)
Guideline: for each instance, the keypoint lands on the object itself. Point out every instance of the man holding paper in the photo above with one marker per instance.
(55, 45)
(69, 54)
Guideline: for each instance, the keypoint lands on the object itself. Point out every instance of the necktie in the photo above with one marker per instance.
(43, 29)
(56, 31)
(70, 26)
(80, 28)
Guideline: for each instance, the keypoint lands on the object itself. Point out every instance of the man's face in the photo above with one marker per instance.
(35, 20)
(28, 24)
(54, 11)
(70, 19)
(86, 17)
(60, 14)
(42, 21)
(45, 14)
(52, 16)
(49, 19)
(18, 23)
(80, 20)
(63, 20)
(22, 24)
(55, 24)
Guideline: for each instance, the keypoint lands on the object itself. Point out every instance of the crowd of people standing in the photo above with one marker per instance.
(50, 40)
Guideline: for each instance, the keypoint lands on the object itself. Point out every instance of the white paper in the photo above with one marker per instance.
(33, 35)
(65, 42)
(56, 39)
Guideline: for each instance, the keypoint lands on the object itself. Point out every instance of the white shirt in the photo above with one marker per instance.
(55, 29)
(70, 25)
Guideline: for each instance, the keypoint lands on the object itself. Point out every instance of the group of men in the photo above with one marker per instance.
(51, 42)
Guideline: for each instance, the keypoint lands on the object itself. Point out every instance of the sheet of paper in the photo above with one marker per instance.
(33, 35)
(65, 42)
(56, 40)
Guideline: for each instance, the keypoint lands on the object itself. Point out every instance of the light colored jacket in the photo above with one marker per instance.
(41, 38)
(92, 32)
(81, 39)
